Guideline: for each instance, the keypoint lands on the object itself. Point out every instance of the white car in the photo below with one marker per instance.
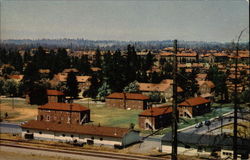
(198, 125)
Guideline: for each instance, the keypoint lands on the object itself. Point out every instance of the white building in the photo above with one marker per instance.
(83, 134)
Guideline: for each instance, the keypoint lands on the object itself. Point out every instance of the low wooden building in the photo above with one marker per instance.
(84, 82)
(127, 100)
(81, 134)
(63, 113)
(165, 88)
(206, 89)
(194, 107)
(193, 144)
(55, 96)
(155, 118)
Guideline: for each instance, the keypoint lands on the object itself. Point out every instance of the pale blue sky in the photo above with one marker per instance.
(198, 20)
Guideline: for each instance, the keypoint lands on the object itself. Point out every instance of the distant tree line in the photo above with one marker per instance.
(120, 71)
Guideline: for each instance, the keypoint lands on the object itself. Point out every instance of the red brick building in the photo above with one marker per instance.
(127, 100)
(63, 113)
(55, 96)
(194, 107)
(155, 118)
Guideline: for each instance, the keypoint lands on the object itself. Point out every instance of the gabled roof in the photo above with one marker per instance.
(82, 79)
(167, 81)
(160, 87)
(78, 129)
(194, 101)
(95, 69)
(201, 75)
(156, 111)
(193, 54)
(210, 84)
(166, 54)
(134, 96)
(16, 76)
(70, 70)
(63, 78)
(220, 55)
(54, 92)
(44, 70)
(63, 107)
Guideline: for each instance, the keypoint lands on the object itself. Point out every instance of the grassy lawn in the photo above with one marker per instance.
(16, 103)
(114, 117)
(243, 129)
(18, 110)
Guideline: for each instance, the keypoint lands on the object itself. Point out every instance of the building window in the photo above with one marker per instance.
(48, 117)
(40, 132)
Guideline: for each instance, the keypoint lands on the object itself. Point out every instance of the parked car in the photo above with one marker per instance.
(207, 122)
(198, 125)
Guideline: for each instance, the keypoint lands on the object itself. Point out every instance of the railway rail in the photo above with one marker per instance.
(72, 150)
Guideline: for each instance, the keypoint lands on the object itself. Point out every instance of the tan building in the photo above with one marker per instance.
(201, 77)
(206, 89)
(84, 82)
(165, 88)
(127, 100)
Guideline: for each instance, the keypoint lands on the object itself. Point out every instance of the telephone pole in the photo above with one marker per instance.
(174, 113)
(235, 149)
(236, 101)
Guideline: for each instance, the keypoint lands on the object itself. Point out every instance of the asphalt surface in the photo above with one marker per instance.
(216, 124)
(13, 128)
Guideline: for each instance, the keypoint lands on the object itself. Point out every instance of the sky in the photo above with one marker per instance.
(191, 20)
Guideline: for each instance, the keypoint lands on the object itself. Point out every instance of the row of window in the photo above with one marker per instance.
(227, 153)
(72, 136)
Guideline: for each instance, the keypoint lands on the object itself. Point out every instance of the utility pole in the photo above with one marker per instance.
(235, 149)
(174, 113)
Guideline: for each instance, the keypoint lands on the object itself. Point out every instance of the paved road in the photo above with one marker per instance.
(215, 123)
(13, 128)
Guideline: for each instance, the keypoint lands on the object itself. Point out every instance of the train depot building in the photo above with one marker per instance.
(81, 134)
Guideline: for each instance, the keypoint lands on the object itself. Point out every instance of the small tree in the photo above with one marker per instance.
(72, 85)
(133, 87)
(245, 96)
(10, 87)
(103, 91)
(1, 86)
(38, 94)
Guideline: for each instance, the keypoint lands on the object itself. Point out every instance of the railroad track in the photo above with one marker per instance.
(73, 151)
